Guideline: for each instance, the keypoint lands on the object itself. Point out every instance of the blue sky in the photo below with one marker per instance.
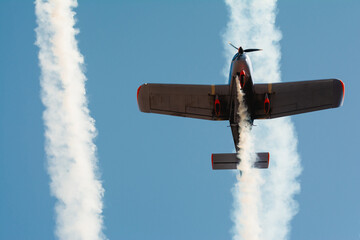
(156, 170)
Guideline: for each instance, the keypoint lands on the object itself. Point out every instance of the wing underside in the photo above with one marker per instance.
(212, 102)
(209, 102)
(297, 97)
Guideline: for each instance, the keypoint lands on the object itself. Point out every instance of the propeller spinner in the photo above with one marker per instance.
(241, 50)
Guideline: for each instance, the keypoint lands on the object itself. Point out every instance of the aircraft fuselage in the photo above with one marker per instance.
(241, 68)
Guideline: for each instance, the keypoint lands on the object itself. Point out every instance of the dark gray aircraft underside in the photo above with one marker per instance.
(219, 102)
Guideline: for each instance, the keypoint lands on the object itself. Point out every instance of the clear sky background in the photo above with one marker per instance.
(156, 170)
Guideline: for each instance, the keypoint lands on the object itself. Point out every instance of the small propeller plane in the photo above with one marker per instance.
(220, 102)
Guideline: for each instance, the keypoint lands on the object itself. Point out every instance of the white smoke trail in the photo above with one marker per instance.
(246, 191)
(72, 164)
(252, 24)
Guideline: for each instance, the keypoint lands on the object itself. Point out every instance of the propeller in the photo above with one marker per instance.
(241, 50)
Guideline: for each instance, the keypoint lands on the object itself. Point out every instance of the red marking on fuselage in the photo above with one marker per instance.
(242, 79)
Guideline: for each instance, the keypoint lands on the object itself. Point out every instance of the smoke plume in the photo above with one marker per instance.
(72, 164)
(247, 192)
(252, 25)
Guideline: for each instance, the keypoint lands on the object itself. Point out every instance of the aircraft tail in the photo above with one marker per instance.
(224, 161)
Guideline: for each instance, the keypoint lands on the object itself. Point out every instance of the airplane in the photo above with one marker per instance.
(220, 102)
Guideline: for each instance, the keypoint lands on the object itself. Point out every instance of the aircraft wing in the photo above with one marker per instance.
(209, 102)
(291, 98)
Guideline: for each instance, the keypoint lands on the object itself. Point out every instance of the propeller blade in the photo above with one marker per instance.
(233, 46)
(252, 50)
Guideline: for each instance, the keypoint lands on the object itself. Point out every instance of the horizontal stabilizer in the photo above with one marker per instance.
(222, 161)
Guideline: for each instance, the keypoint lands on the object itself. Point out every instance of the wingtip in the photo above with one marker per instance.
(212, 161)
(343, 92)
(137, 94)
(339, 93)
(142, 97)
